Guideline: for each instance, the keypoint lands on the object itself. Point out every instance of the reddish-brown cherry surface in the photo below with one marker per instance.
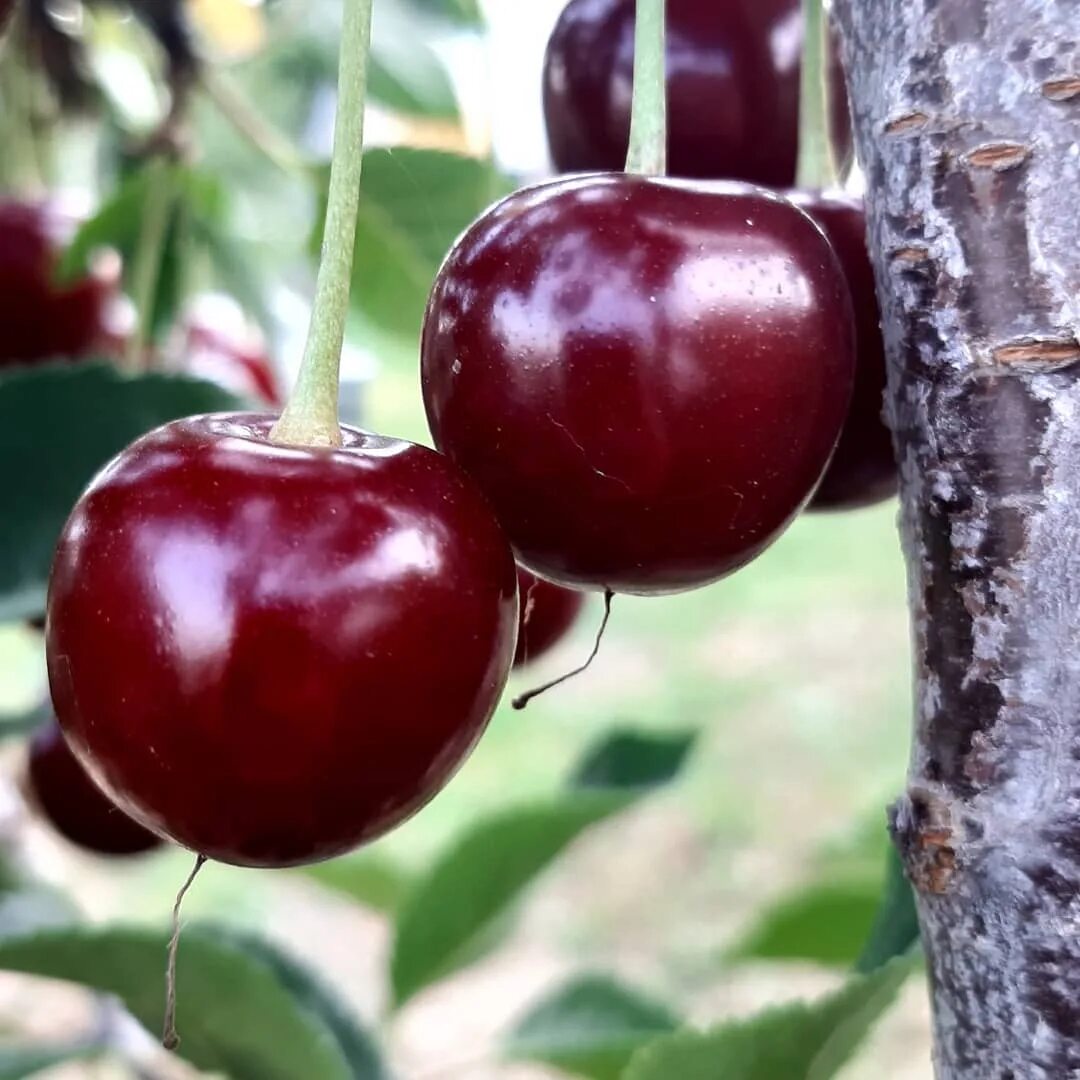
(645, 377)
(39, 318)
(733, 88)
(74, 805)
(272, 654)
(547, 612)
(863, 469)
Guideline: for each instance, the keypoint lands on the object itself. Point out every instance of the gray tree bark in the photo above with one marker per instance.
(968, 127)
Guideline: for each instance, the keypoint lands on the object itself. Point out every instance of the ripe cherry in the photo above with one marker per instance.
(216, 342)
(547, 612)
(645, 377)
(271, 654)
(863, 469)
(74, 805)
(40, 318)
(733, 88)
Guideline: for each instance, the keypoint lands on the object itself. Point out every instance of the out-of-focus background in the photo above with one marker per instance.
(795, 671)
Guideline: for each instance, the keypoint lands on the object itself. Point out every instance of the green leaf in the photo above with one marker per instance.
(243, 1009)
(589, 1027)
(367, 877)
(634, 759)
(465, 12)
(59, 423)
(198, 226)
(414, 205)
(825, 924)
(405, 73)
(453, 910)
(896, 927)
(796, 1042)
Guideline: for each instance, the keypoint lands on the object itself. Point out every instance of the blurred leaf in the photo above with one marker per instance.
(59, 423)
(405, 73)
(243, 1010)
(589, 1027)
(198, 226)
(465, 12)
(18, 1061)
(634, 759)
(369, 878)
(826, 923)
(456, 903)
(806, 1041)
(414, 205)
(896, 926)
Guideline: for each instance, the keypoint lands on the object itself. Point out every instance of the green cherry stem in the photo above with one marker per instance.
(157, 212)
(816, 165)
(311, 416)
(648, 111)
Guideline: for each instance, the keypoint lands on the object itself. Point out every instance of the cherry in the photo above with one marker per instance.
(863, 469)
(271, 654)
(217, 343)
(74, 805)
(645, 377)
(547, 612)
(733, 88)
(41, 319)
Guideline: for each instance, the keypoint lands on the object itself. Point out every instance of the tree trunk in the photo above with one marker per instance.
(968, 126)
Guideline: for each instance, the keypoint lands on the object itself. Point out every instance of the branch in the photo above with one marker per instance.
(968, 121)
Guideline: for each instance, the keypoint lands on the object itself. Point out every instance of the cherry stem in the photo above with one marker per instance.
(273, 144)
(157, 210)
(648, 111)
(523, 699)
(816, 166)
(170, 1038)
(311, 416)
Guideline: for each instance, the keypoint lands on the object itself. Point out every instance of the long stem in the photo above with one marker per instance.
(311, 416)
(647, 153)
(816, 166)
(170, 1038)
(149, 254)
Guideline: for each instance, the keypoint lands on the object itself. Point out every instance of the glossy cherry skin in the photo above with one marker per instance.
(272, 654)
(74, 805)
(39, 319)
(645, 377)
(863, 469)
(733, 88)
(547, 612)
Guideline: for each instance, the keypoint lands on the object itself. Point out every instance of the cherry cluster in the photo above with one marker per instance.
(271, 649)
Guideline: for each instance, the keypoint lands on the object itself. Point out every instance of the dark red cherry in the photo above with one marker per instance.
(863, 469)
(546, 613)
(645, 377)
(272, 654)
(38, 318)
(74, 805)
(733, 88)
(217, 343)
